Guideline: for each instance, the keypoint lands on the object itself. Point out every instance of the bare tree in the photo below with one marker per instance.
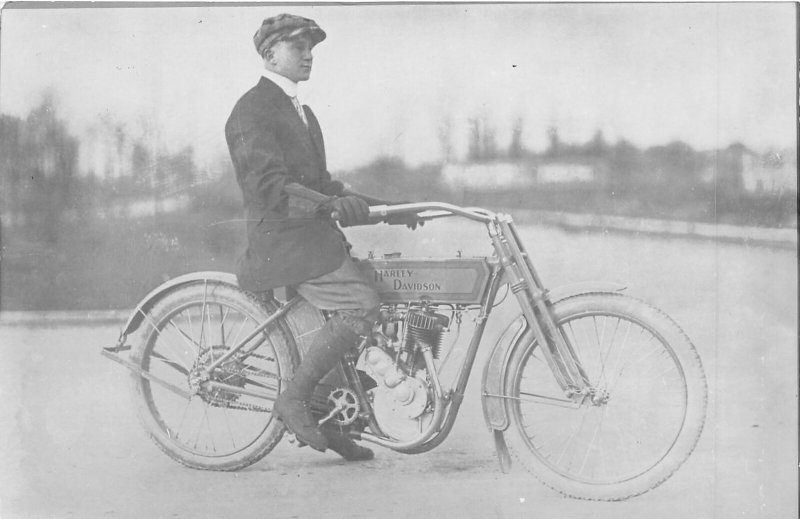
(515, 148)
(445, 134)
(49, 160)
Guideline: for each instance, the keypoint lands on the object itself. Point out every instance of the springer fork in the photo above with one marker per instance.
(533, 300)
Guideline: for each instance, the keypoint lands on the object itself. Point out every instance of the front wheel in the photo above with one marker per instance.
(638, 421)
(217, 419)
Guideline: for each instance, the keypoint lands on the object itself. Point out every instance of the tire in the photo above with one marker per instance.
(214, 429)
(644, 419)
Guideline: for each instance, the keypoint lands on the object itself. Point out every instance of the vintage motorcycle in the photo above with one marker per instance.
(598, 394)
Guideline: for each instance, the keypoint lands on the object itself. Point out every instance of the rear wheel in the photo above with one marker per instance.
(640, 418)
(220, 420)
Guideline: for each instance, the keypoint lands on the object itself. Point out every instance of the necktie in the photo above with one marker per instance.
(300, 111)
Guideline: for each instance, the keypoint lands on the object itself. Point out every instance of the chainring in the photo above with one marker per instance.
(345, 404)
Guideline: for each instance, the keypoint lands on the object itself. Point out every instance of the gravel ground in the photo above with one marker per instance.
(72, 447)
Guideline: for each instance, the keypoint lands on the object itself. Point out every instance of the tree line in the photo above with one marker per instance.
(52, 178)
(46, 185)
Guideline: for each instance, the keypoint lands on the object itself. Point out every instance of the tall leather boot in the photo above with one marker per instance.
(346, 447)
(292, 406)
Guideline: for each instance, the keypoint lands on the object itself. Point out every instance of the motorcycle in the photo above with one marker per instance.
(598, 394)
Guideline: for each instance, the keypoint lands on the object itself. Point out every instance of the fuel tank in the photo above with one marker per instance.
(435, 280)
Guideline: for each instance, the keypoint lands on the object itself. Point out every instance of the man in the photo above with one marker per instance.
(278, 153)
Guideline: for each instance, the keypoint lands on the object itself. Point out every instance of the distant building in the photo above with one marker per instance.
(565, 172)
(769, 174)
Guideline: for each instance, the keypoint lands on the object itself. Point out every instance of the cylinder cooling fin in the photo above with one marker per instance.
(424, 326)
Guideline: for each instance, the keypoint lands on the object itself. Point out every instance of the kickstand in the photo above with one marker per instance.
(503, 455)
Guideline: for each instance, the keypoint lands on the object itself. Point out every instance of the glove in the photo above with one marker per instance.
(411, 220)
(351, 210)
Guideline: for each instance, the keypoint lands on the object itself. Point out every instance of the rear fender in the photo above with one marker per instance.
(303, 320)
(163, 289)
(518, 334)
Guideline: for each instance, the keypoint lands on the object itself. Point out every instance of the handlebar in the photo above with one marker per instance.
(427, 211)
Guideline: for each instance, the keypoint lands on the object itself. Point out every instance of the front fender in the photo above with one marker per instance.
(160, 291)
(587, 287)
(519, 333)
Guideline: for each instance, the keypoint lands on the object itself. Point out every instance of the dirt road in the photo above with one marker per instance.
(72, 447)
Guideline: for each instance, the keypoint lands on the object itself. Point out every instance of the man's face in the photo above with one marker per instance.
(292, 58)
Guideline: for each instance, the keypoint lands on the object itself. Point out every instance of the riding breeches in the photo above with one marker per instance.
(346, 291)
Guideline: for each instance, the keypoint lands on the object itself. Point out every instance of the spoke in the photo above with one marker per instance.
(179, 367)
(591, 442)
(655, 349)
(670, 367)
(599, 338)
(622, 350)
(183, 418)
(191, 324)
(535, 356)
(625, 439)
(541, 443)
(601, 452)
(208, 320)
(588, 341)
(170, 346)
(228, 426)
(223, 317)
(571, 436)
(247, 353)
(574, 343)
(203, 314)
(188, 340)
(199, 428)
(602, 377)
(631, 361)
(208, 425)
(630, 437)
(617, 439)
(223, 415)
(160, 336)
(241, 327)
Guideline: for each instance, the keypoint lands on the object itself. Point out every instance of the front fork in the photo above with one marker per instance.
(532, 298)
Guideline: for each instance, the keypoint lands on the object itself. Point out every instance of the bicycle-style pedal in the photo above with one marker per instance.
(291, 438)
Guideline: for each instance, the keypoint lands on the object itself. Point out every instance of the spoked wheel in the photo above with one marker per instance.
(640, 417)
(221, 418)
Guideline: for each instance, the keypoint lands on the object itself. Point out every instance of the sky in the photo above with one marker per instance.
(389, 76)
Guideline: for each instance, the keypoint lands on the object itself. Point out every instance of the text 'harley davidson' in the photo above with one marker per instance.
(598, 394)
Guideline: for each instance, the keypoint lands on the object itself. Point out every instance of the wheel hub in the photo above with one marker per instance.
(599, 396)
(230, 372)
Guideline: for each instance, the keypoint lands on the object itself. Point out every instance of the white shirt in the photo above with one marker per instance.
(289, 87)
(286, 84)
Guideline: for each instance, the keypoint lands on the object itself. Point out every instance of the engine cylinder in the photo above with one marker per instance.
(425, 327)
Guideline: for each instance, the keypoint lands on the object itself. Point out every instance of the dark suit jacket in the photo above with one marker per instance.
(271, 148)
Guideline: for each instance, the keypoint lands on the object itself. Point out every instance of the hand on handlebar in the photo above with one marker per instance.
(410, 220)
(349, 210)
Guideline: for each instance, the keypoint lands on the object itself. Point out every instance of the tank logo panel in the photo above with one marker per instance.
(404, 280)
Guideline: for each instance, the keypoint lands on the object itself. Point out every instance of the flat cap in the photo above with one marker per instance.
(285, 26)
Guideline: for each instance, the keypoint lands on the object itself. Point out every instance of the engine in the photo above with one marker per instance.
(424, 327)
(402, 395)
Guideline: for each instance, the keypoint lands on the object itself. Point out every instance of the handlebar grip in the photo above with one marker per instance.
(372, 218)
